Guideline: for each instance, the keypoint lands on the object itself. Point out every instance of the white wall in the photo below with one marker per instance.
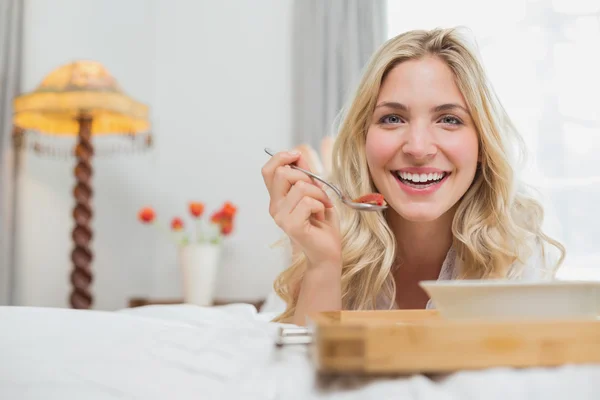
(217, 77)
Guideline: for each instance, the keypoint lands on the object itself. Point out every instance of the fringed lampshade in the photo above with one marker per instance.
(80, 100)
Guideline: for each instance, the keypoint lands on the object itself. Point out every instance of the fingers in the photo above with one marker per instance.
(282, 159)
(306, 208)
(283, 180)
(278, 160)
(294, 223)
(279, 178)
(303, 163)
(298, 192)
(311, 157)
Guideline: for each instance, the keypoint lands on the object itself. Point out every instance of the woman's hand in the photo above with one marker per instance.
(302, 209)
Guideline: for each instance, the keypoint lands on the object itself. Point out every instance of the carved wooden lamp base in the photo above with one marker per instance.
(81, 256)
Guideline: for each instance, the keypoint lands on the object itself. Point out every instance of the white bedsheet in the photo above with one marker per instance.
(187, 352)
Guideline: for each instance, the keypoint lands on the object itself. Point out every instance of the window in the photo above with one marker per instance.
(543, 59)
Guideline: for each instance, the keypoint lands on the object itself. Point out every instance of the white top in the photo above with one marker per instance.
(536, 268)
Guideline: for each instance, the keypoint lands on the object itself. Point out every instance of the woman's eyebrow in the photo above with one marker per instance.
(441, 107)
(449, 107)
(392, 104)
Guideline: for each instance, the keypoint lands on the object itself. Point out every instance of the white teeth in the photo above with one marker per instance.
(417, 178)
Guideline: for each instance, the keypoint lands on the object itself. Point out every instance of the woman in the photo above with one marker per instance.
(426, 131)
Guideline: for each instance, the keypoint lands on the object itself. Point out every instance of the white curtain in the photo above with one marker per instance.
(11, 26)
(332, 42)
(543, 58)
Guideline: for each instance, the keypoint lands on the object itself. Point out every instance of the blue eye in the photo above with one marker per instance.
(450, 120)
(390, 119)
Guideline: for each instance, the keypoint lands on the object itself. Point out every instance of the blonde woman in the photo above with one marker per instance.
(426, 131)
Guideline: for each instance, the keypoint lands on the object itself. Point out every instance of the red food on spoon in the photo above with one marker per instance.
(372, 198)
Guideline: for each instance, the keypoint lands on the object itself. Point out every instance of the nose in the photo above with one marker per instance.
(419, 143)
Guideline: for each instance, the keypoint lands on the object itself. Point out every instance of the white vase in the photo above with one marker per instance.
(199, 266)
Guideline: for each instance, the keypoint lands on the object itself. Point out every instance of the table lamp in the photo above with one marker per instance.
(80, 100)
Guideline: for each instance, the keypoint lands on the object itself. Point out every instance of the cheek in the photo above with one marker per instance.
(380, 147)
(463, 152)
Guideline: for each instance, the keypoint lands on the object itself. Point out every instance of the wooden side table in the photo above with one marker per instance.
(143, 301)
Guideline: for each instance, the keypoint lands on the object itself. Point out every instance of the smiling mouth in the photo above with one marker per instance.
(420, 181)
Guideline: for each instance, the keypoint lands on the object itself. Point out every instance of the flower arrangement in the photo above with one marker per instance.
(219, 225)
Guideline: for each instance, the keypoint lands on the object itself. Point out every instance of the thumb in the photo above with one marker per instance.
(302, 163)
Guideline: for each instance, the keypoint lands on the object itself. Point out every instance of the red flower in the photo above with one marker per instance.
(196, 209)
(177, 224)
(224, 218)
(218, 216)
(146, 215)
(226, 227)
(229, 209)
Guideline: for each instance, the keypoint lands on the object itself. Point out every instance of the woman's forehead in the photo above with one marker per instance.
(426, 80)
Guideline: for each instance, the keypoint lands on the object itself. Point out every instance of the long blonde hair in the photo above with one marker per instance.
(497, 225)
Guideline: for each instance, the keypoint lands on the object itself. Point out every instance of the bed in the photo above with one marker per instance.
(227, 352)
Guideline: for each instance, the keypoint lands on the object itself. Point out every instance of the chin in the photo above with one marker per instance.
(422, 213)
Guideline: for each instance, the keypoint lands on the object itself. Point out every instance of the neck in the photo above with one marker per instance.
(422, 246)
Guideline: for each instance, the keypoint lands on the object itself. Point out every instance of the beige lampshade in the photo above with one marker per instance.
(75, 88)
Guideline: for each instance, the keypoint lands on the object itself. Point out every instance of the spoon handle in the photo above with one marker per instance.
(317, 177)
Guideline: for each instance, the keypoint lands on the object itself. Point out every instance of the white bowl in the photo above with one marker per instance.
(502, 299)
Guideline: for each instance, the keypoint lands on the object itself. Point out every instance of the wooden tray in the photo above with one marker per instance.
(421, 341)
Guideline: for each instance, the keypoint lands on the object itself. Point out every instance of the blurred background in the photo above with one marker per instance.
(224, 79)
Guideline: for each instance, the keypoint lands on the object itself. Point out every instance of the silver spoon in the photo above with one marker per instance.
(345, 200)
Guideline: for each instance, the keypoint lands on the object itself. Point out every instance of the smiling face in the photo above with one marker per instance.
(422, 146)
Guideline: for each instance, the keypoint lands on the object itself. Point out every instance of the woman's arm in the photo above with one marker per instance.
(320, 290)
